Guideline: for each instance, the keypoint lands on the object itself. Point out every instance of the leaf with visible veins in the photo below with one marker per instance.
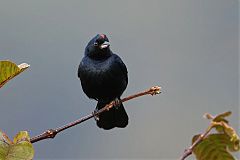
(19, 149)
(213, 147)
(217, 146)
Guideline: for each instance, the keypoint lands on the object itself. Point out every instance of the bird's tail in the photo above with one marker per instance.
(115, 117)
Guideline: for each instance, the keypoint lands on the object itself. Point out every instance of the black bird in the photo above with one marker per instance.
(104, 77)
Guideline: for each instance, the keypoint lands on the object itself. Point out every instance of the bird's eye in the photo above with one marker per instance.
(95, 44)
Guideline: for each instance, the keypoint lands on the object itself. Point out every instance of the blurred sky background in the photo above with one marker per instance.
(188, 47)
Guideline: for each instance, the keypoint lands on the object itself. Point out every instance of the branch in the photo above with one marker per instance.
(51, 133)
(189, 151)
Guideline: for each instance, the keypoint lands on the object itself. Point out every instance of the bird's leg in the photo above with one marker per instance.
(116, 103)
(96, 117)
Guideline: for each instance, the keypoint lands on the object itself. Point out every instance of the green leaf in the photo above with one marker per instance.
(213, 147)
(230, 132)
(8, 70)
(217, 146)
(4, 145)
(19, 149)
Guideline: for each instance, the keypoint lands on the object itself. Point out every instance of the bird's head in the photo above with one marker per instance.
(98, 47)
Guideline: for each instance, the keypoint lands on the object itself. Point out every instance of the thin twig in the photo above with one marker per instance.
(189, 151)
(51, 133)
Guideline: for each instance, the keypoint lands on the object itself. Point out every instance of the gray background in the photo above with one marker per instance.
(189, 47)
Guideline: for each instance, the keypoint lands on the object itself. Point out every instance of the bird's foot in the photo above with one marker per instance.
(116, 103)
(96, 117)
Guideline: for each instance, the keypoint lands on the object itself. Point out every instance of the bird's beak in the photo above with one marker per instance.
(105, 45)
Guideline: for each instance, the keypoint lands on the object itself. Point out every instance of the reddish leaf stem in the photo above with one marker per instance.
(189, 151)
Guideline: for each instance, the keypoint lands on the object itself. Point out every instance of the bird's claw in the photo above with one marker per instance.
(117, 103)
(96, 117)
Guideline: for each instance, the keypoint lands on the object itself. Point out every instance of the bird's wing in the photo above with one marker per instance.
(122, 66)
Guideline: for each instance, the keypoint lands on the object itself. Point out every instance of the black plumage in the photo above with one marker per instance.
(104, 77)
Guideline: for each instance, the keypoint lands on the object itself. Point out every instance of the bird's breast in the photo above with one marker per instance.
(102, 79)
